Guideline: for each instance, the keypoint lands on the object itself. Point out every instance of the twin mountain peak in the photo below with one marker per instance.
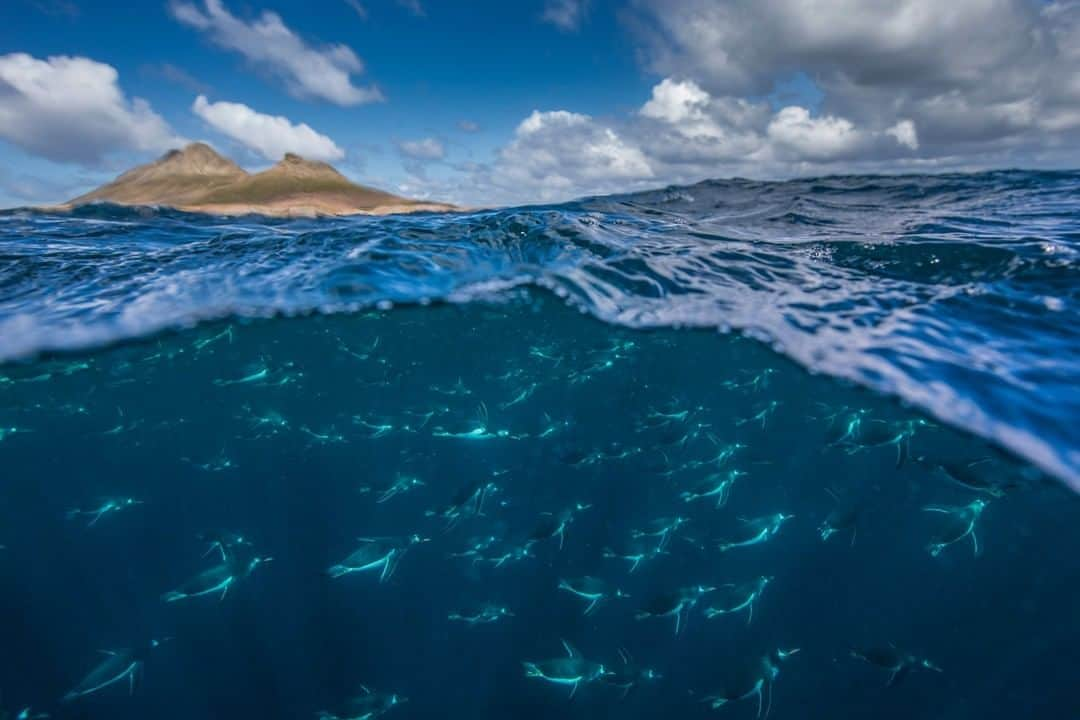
(198, 179)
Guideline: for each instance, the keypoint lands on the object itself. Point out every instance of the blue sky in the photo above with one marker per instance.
(535, 100)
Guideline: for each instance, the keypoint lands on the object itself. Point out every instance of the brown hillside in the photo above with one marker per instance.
(199, 179)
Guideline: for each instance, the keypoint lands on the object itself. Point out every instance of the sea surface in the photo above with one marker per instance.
(738, 449)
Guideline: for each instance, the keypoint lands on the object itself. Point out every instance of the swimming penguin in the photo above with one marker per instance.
(366, 706)
(382, 554)
(716, 486)
(554, 525)
(118, 666)
(627, 675)
(402, 484)
(26, 713)
(842, 519)
(467, 502)
(218, 579)
(733, 598)
(880, 433)
(483, 616)
(108, 506)
(504, 554)
(898, 664)
(635, 553)
(761, 416)
(959, 524)
(572, 670)
(965, 475)
(592, 589)
(843, 427)
(753, 681)
(755, 531)
(225, 543)
(674, 604)
(662, 529)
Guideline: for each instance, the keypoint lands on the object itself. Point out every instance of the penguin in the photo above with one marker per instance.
(217, 579)
(572, 670)
(754, 681)
(365, 706)
(959, 524)
(629, 675)
(593, 589)
(116, 667)
(483, 616)
(733, 598)
(382, 554)
(716, 486)
(899, 664)
(674, 604)
(108, 506)
(755, 531)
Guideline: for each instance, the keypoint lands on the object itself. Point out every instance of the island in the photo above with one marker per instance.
(198, 179)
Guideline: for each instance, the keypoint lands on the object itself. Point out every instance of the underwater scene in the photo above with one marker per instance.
(504, 464)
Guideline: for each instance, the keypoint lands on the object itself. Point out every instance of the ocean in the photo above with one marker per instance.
(737, 449)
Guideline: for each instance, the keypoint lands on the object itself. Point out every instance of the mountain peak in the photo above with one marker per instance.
(295, 166)
(197, 159)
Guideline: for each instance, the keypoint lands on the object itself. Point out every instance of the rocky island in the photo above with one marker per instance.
(198, 179)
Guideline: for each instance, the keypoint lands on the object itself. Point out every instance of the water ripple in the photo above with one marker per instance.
(957, 293)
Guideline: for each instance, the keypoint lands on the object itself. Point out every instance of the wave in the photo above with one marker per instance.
(956, 293)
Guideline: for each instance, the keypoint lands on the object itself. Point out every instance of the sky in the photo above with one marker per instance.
(490, 102)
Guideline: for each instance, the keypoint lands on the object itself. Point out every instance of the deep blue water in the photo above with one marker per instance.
(895, 361)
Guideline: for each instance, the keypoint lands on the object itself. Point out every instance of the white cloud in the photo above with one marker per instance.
(975, 77)
(904, 133)
(557, 154)
(428, 149)
(321, 73)
(468, 126)
(681, 134)
(794, 131)
(269, 135)
(567, 15)
(71, 109)
(867, 86)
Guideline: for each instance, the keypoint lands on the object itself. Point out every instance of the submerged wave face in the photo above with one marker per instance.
(957, 293)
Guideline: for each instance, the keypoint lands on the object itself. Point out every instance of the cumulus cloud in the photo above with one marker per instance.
(428, 149)
(781, 88)
(557, 154)
(567, 15)
(904, 133)
(71, 109)
(973, 76)
(323, 73)
(680, 134)
(812, 138)
(268, 135)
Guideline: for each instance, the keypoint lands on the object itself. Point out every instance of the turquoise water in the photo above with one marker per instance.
(368, 466)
